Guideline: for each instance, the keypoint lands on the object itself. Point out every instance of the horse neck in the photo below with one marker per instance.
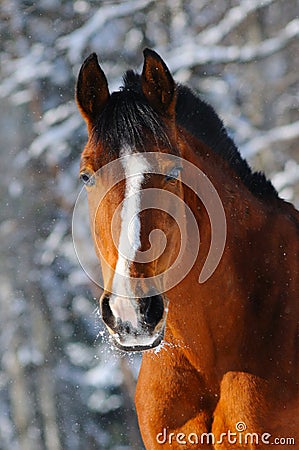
(246, 303)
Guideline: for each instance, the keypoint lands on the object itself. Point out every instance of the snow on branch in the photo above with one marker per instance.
(192, 54)
(56, 137)
(23, 71)
(232, 19)
(76, 41)
(279, 134)
(53, 243)
(287, 177)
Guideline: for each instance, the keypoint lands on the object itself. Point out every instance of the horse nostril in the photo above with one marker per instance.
(127, 328)
(154, 310)
(107, 314)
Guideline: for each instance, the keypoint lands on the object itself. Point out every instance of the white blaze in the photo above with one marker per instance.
(135, 167)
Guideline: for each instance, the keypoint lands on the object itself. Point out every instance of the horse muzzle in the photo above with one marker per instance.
(135, 324)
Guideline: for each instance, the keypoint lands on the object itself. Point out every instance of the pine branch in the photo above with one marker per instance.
(234, 17)
(279, 134)
(76, 41)
(193, 54)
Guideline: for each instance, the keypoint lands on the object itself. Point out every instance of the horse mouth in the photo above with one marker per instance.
(138, 342)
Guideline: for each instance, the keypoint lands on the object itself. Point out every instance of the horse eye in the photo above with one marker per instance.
(173, 174)
(87, 178)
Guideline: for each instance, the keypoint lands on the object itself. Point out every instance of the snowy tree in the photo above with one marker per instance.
(62, 386)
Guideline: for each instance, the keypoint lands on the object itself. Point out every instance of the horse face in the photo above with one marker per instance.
(136, 239)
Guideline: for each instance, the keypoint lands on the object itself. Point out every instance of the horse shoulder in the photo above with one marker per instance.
(254, 410)
(172, 400)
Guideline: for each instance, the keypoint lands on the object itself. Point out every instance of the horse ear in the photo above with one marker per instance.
(92, 89)
(157, 83)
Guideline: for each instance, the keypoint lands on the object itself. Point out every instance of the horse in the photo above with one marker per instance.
(220, 363)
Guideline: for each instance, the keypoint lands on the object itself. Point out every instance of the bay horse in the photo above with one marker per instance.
(226, 374)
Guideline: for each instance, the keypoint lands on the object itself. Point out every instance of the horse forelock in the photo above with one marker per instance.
(127, 121)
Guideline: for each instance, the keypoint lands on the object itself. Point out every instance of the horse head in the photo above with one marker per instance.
(130, 168)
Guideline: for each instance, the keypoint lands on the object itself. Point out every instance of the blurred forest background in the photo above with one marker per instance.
(61, 385)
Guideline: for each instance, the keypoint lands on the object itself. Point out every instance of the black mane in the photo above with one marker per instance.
(200, 119)
(127, 113)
